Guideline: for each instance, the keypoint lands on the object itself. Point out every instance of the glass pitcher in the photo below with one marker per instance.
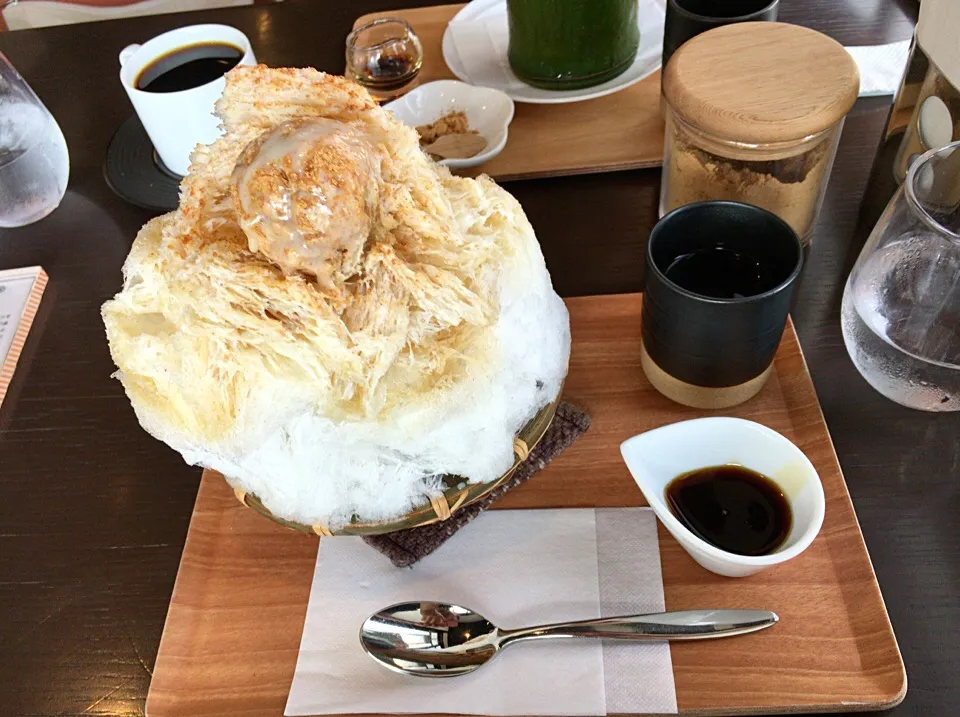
(34, 164)
(901, 304)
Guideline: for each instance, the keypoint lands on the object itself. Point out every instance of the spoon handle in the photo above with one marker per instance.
(678, 625)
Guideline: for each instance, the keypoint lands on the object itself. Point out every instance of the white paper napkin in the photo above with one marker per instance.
(517, 568)
(481, 46)
(881, 67)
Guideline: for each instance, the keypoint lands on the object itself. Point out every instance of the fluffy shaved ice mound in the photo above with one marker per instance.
(330, 319)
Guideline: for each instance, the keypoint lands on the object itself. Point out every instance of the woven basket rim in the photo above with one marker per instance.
(438, 509)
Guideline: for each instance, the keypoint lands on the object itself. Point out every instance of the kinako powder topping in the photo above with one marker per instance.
(790, 187)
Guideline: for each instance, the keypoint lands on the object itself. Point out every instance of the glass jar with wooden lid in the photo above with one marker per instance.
(753, 114)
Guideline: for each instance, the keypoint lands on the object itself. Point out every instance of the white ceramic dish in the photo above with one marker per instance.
(650, 18)
(657, 457)
(488, 111)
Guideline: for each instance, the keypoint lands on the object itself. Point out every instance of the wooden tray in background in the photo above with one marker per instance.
(232, 634)
(620, 131)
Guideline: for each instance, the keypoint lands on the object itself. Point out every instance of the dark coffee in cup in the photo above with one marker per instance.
(722, 272)
(720, 276)
(187, 67)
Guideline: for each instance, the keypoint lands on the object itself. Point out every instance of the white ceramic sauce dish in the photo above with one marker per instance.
(488, 111)
(657, 457)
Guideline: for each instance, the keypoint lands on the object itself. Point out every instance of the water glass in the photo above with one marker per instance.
(34, 164)
(901, 304)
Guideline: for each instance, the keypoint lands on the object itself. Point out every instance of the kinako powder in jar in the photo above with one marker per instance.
(753, 114)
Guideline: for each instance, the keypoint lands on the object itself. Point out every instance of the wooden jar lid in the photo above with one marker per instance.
(759, 82)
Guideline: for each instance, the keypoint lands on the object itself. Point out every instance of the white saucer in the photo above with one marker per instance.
(649, 19)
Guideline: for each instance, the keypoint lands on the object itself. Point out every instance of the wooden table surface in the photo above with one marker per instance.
(93, 511)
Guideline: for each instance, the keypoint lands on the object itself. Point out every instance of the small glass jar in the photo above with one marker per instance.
(385, 56)
(753, 114)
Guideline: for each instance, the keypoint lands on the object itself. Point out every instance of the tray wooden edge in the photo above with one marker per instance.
(405, 12)
(166, 635)
(410, 14)
(895, 697)
(571, 171)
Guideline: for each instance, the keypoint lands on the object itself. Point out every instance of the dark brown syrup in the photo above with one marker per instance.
(389, 71)
(732, 508)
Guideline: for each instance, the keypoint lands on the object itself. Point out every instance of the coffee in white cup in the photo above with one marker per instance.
(175, 79)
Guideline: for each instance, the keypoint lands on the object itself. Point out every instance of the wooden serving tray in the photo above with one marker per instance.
(620, 131)
(232, 634)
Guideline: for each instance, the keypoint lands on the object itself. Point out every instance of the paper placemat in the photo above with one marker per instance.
(20, 293)
(517, 568)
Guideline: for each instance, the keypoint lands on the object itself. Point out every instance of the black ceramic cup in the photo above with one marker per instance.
(687, 18)
(720, 276)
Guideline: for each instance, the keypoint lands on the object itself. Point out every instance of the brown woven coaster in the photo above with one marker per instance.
(405, 547)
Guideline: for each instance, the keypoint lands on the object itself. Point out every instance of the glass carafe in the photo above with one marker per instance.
(901, 304)
(34, 164)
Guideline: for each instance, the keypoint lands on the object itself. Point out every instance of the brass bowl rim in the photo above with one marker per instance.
(433, 511)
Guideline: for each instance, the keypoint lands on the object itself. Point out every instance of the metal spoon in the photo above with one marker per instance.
(431, 639)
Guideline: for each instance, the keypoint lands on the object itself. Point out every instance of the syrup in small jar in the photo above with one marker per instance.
(385, 56)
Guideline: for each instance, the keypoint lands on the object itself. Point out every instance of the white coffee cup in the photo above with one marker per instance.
(179, 121)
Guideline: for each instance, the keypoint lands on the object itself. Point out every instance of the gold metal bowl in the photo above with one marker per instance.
(457, 495)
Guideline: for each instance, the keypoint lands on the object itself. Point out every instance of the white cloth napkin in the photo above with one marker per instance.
(517, 568)
(881, 67)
